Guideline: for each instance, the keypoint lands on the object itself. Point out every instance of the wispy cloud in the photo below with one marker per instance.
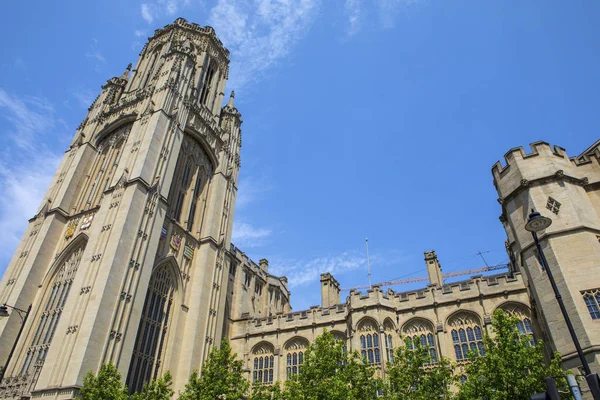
(251, 189)
(352, 9)
(94, 53)
(260, 33)
(160, 8)
(140, 33)
(146, 13)
(84, 97)
(388, 10)
(23, 179)
(246, 235)
(304, 271)
(27, 117)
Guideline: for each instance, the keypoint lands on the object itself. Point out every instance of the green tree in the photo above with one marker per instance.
(263, 392)
(413, 375)
(159, 389)
(221, 377)
(106, 386)
(328, 373)
(512, 368)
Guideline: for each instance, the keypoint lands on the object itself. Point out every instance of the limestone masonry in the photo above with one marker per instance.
(129, 258)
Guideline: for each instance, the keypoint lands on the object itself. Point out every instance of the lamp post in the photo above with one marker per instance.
(4, 313)
(536, 223)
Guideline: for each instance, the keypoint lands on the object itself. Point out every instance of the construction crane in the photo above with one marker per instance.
(425, 278)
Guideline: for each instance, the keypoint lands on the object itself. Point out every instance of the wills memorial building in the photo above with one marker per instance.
(129, 258)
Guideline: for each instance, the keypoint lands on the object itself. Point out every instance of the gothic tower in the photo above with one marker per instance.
(124, 261)
(567, 190)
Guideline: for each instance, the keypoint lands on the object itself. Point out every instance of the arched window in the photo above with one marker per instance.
(421, 331)
(153, 328)
(262, 370)
(189, 182)
(466, 336)
(524, 323)
(207, 83)
(389, 330)
(369, 341)
(295, 349)
(53, 303)
(103, 169)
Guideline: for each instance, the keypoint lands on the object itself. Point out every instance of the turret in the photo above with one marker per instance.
(330, 291)
(566, 190)
(434, 269)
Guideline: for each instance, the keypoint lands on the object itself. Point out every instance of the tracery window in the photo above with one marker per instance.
(389, 331)
(153, 328)
(592, 302)
(53, 303)
(421, 331)
(103, 169)
(189, 182)
(295, 349)
(207, 83)
(370, 348)
(466, 336)
(263, 363)
(524, 323)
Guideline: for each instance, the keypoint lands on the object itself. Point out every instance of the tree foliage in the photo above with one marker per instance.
(413, 375)
(159, 389)
(512, 369)
(329, 373)
(106, 386)
(221, 377)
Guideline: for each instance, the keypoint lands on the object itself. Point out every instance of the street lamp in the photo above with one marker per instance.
(23, 314)
(536, 223)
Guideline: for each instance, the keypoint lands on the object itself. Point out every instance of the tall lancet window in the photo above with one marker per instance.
(153, 329)
(53, 303)
(207, 83)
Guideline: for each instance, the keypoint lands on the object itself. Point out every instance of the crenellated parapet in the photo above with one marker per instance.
(544, 163)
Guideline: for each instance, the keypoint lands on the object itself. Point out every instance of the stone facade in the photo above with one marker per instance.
(129, 259)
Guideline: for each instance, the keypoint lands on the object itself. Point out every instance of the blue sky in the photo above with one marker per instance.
(376, 119)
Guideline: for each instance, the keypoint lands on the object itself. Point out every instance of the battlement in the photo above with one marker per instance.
(543, 162)
(518, 153)
(260, 270)
(464, 290)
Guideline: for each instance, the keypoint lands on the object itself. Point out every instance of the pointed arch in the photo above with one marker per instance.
(262, 361)
(263, 347)
(367, 324)
(79, 241)
(295, 343)
(56, 287)
(155, 324)
(388, 324)
(514, 307)
(466, 332)
(417, 325)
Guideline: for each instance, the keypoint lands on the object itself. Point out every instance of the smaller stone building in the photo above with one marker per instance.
(449, 319)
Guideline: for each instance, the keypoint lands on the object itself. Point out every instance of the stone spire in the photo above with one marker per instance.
(125, 74)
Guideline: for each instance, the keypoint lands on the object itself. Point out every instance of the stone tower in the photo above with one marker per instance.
(124, 261)
(566, 190)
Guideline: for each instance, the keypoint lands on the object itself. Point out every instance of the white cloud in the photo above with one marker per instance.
(96, 55)
(259, 33)
(146, 13)
(300, 272)
(352, 9)
(251, 189)
(23, 177)
(28, 117)
(84, 97)
(246, 235)
(389, 8)
(140, 33)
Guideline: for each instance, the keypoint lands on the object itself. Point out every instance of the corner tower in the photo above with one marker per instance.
(124, 261)
(567, 190)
